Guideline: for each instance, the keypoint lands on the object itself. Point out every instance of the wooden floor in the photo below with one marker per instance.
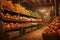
(34, 35)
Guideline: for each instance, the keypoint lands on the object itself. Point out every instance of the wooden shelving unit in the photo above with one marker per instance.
(16, 13)
(21, 30)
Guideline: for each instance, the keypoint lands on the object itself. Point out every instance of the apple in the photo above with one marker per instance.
(16, 24)
(54, 32)
(57, 25)
(4, 16)
(58, 31)
(52, 26)
(12, 17)
(7, 26)
(8, 16)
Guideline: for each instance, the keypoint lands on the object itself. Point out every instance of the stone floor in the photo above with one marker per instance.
(34, 35)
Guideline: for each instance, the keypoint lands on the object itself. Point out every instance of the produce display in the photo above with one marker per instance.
(17, 18)
(39, 19)
(8, 5)
(18, 8)
(50, 32)
(25, 19)
(8, 16)
(55, 25)
(34, 14)
(53, 29)
(15, 7)
(12, 25)
(8, 26)
(21, 9)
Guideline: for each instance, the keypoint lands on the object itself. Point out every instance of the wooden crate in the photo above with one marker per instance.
(34, 28)
(12, 34)
(58, 37)
(49, 37)
(27, 29)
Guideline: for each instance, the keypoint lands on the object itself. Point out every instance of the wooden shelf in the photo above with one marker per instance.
(18, 28)
(16, 13)
(12, 29)
(9, 20)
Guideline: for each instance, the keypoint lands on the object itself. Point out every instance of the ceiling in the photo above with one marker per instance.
(39, 2)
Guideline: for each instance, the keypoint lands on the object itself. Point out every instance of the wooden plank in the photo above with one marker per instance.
(57, 8)
(34, 1)
(45, 1)
(38, 2)
(51, 1)
(48, 1)
(28, 2)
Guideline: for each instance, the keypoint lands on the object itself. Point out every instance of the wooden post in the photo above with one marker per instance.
(1, 26)
(57, 8)
(0, 4)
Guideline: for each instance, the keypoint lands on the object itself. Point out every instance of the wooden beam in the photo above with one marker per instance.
(54, 1)
(28, 3)
(45, 1)
(38, 2)
(48, 1)
(22, 1)
(57, 8)
(34, 1)
(51, 1)
(41, 2)
(42, 5)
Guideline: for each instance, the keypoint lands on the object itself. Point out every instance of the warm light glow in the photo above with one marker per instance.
(44, 10)
(44, 16)
(47, 14)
